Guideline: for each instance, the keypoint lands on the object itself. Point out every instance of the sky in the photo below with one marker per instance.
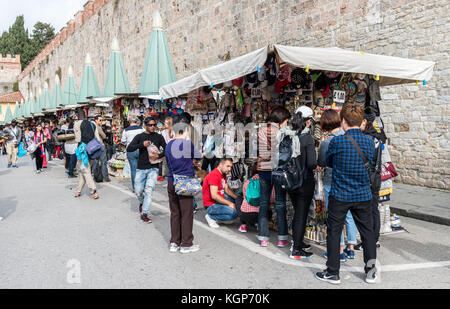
(55, 12)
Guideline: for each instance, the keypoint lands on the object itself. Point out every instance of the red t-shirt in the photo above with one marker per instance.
(215, 178)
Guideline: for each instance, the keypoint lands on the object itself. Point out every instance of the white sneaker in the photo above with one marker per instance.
(371, 278)
(193, 248)
(174, 247)
(211, 222)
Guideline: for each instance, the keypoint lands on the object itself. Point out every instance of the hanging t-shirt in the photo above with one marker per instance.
(215, 178)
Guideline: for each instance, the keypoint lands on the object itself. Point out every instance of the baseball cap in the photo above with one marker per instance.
(306, 111)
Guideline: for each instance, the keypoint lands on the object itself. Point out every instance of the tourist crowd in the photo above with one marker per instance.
(349, 158)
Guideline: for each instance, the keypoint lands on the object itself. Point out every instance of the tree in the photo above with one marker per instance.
(16, 41)
(43, 33)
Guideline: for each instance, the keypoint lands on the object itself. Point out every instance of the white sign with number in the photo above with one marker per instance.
(256, 93)
(338, 96)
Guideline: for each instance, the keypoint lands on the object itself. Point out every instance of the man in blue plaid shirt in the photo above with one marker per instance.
(350, 190)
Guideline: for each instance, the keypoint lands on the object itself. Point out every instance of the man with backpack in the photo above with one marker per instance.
(100, 165)
(352, 158)
(85, 132)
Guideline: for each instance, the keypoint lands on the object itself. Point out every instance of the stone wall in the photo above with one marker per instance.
(10, 69)
(201, 32)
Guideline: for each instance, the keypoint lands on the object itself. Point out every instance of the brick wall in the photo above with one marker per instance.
(201, 32)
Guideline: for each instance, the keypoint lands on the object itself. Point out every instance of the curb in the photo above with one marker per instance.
(420, 216)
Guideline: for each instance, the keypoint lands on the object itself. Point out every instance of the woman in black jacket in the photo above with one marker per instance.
(301, 198)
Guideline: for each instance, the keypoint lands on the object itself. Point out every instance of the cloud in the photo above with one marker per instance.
(55, 12)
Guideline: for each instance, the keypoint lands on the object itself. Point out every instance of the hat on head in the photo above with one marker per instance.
(14, 121)
(306, 111)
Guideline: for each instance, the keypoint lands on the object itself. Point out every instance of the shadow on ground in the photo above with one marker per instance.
(8, 206)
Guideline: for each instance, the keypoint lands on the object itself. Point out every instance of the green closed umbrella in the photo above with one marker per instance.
(57, 96)
(8, 116)
(70, 91)
(89, 85)
(158, 68)
(116, 80)
(45, 103)
(37, 110)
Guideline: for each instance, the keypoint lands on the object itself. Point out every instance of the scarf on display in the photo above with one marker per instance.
(282, 133)
(82, 155)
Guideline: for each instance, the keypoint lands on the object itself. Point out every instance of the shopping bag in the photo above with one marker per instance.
(22, 152)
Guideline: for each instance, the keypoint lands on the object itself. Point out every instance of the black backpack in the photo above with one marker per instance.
(290, 173)
(98, 176)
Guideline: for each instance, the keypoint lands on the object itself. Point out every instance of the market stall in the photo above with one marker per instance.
(245, 89)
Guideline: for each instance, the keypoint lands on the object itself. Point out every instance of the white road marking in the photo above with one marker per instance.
(281, 258)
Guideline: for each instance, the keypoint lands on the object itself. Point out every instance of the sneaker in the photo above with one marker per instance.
(371, 278)
(306, 247)
(174, 247)
(350, 253)
(145, 218)
(9, 165)
(243, 228)
(264, 243)
(359, 247)
(325, 276)
(160, 178)
(211, 222)
(342, 257)
(15, 166)
(193, 248)
(300, 254)
(72, 176)
(140, 208)
(107, 180)
(282, 243)
(378, 244)
(38, 171)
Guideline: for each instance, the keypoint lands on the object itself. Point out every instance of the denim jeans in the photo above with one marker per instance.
(264, 206)
(145, 185)
(72, 163)
(220, 212)
(133, 158)
(280, 207)
(350, 225)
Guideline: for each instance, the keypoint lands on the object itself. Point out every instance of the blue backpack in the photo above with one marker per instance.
(253, 192)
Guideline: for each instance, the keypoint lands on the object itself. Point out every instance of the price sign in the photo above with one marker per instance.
(256, 93)
(338, 96)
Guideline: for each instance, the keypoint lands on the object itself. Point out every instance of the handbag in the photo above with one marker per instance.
(22, 152)
(32, 148)
(94, 149)
(186, 186)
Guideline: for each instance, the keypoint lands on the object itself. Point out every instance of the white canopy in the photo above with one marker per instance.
(391, 70)
(217, 74)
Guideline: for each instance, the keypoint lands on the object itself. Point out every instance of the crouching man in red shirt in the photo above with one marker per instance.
(218, 198)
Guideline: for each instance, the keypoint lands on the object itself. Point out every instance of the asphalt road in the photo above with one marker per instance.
(49, 239)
